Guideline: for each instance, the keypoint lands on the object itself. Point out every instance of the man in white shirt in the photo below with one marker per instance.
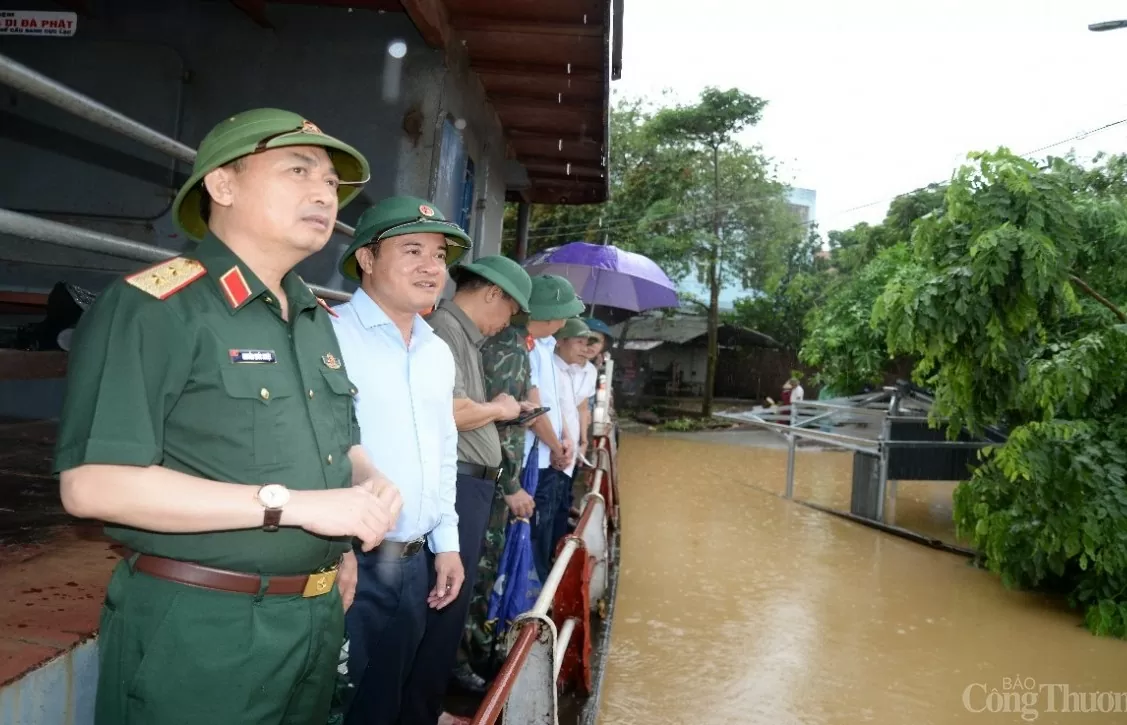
(576, 387)
(404, 375)
(555, 299)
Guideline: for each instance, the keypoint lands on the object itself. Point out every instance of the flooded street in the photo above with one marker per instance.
(737, 606)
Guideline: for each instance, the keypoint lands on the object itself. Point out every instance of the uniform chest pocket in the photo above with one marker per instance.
(339, 405)
(266, 413)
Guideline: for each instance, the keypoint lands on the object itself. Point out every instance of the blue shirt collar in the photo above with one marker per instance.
(371, 315)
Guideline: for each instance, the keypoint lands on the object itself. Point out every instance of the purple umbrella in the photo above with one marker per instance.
(607, 275)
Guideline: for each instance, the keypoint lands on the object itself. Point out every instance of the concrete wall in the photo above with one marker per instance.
(60, 692)
(180, 66)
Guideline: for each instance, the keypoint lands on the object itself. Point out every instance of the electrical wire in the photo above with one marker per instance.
(624, 222)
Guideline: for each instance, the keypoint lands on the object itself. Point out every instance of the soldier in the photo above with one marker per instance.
(208, 421)
(505, 361)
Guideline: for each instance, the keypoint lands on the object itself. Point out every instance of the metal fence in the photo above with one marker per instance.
(874, 490)
(551, 643)
(26, 80)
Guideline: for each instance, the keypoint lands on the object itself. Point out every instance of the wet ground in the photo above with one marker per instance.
(738, 606)
(31, 514)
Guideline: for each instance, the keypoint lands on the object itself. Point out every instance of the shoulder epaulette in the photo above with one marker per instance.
(168, 277)
(325, 304)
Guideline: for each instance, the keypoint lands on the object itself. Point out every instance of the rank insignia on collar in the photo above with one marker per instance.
(167, 278)
(235, 287)
(331, 361)
(529, 342)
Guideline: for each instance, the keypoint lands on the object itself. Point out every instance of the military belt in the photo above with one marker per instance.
(476, 470)
(197, 575)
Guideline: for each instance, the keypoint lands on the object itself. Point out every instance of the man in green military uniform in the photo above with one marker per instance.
(506, 365)
(209, 422)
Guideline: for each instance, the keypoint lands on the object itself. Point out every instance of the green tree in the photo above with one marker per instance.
(842, 341)
(686, 194)
(1016, 320)
(743, 200)
(840, 338)
(795, 286)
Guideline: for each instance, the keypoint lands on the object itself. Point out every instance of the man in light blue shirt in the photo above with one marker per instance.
(556, 299)
(404, 375)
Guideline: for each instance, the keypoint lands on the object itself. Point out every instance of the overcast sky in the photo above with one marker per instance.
(871, 98)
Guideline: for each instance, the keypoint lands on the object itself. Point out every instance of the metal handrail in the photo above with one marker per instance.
(44, 230)
(498, 693)
(20, 77)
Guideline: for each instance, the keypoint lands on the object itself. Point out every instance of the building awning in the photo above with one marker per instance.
(641, 344)
(546, 68)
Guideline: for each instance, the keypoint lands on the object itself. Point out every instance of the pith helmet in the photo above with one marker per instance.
(553, 298)
(401, 215)
(574, 327)
(599, 327)
(503, 272)
(250, 132)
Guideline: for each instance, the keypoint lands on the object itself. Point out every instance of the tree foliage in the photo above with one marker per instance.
(787, 294)
(849, 352)
(1013, 312)
(840, 340)
(686, 193)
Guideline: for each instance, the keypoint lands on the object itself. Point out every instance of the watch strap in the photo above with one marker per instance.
(271, 518)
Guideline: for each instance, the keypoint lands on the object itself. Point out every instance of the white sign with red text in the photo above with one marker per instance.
(37, 22)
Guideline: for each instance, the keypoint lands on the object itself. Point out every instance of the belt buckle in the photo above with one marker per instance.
(320, 583)
(411, 548)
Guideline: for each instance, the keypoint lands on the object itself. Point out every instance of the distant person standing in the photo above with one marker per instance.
(796, 392)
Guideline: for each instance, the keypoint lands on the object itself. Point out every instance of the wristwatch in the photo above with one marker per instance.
(272, 496)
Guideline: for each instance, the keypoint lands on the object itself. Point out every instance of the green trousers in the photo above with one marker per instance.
(171, 654)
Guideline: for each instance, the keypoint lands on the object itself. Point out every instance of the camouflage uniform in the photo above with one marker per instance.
(504, 360)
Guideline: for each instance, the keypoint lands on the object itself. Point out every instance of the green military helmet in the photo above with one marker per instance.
(553, 298)
(574, 327)
(399, 215)
(253, 131)
(503, 272)
(598, 327)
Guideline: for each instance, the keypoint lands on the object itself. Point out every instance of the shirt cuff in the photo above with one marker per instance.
(105, 452)
(509, 484)
(443, 539)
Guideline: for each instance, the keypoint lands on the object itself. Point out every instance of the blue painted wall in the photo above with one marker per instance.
(60, 692)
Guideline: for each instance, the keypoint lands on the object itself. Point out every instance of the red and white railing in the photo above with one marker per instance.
(550, 645)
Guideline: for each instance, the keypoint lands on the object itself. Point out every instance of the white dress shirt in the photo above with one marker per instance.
(568, 377)
(405, 406)
(543, 377)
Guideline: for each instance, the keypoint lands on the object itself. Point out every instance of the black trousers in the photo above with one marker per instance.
(437, 653)
(386, 624)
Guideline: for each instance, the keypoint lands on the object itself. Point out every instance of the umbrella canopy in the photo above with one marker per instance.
(517, 585)
(608, 276)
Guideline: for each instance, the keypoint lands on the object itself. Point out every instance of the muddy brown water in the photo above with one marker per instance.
(737, 606)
